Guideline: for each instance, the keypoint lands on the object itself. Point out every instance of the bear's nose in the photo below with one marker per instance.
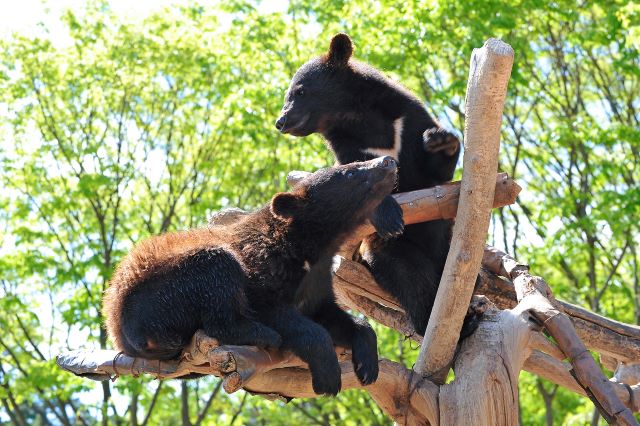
(386, 162)
(280, 122)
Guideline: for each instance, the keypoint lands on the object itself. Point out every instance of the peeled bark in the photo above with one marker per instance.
(485, 391)
(534, 294)
(486, 92)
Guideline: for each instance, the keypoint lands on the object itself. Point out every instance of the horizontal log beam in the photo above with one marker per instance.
(272, 374)
(559, 372)
(603, 335)
(438, 202)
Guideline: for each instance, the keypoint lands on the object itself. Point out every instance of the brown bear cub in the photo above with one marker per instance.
(241, 282)
(363, 114)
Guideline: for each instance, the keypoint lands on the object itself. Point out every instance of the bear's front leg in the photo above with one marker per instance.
(443, 149)
(438, 139)
(388, 218)
(352, 333)
(311, 343)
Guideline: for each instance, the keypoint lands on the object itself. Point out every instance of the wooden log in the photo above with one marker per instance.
(486, 91)
(403, 396)
(628, 374)
(559, 373)
(490, 361)
(438, 202)
(534, 293)
(608, 337)
(423, 205)
(107, 365)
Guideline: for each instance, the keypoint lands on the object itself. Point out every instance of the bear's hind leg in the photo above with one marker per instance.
(354, 334)
(309, 341)
(408, 274)
(244, 332)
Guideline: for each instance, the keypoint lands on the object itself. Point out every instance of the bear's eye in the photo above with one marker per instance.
(349, 174)
(299, 92)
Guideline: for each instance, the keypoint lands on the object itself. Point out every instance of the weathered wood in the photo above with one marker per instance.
(486, 91)
(423, 205)
(603, 335)
(534, 293)
(490, 361)
(439, 202)
(628, 374)
(559, 373)
(402, 395)
(390, 391)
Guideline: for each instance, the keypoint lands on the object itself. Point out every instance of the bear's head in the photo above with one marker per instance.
(320, 91)
(337, 199)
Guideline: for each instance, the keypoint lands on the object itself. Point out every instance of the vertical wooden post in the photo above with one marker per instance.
(486, 91)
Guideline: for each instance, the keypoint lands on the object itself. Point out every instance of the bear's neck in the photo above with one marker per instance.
(309, 241)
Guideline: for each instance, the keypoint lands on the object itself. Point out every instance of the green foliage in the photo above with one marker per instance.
(131, 128)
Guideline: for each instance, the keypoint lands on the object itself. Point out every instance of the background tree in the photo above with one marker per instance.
(134, 128)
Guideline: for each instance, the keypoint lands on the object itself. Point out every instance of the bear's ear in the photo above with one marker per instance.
(340, 50)
(286, 204)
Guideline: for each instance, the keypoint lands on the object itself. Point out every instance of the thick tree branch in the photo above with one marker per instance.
(486, 92)
(608, 337)
(438, 202)
(559, 373)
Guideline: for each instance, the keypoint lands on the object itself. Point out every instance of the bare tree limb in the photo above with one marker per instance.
(438, 202)
(558, 372)
(486, 93)
(534, 293)
(606, 336)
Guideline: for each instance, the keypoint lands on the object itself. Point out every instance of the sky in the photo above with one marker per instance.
(24, 15)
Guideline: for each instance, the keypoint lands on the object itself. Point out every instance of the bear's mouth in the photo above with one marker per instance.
(294, 127)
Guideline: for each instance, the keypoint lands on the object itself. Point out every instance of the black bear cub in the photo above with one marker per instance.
(240, 282)
(363, 114)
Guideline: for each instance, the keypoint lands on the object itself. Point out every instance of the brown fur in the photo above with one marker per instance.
(241, 281)
(148, 258)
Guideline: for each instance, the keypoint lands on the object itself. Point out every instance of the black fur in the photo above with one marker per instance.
(242, 280)
(359, 112)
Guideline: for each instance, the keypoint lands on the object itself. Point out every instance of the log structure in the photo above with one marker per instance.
(523, 327)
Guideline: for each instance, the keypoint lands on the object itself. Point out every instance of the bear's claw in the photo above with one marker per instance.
(364, 356)
(440, 140)
(328, 381)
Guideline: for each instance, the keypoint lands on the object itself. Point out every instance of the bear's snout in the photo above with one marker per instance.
(386, 162)
(280, 122)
